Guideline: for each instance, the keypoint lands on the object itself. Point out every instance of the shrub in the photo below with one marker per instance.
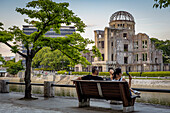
(148, 74)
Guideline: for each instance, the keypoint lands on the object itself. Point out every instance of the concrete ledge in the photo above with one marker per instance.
(84, 103)
(4, 88)
(128, 109)
(48, 89)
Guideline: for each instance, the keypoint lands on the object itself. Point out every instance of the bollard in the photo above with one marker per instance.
(4, 88)
(48, 89)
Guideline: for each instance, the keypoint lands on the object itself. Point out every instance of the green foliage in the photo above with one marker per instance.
(2, 59)
(51, 59)
(164, 46)
(44, 69)
(137, 74)
(81, 73)
(150, 74)
(156, 74)
(162, 3)
(1, 24)
(14, 67)
(45, 15)
(104, 74)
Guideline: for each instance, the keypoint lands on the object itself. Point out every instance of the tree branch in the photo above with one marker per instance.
(77, 47)
(33, 52)
(17, 51)
(67, 55)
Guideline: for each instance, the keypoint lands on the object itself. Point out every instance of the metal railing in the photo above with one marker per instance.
(152, 90)
(73, 86)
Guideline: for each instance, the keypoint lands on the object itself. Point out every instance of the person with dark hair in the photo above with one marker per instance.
(94, 75)
(118, 77)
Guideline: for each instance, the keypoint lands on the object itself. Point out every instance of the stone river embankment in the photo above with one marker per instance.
(66, 79)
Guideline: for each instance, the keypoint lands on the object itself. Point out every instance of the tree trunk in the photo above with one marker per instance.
(28, 78)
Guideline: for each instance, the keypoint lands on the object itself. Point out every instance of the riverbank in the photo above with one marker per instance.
(66, 79)
(146, 97)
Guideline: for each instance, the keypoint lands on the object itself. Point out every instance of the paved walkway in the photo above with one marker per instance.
(10, 103)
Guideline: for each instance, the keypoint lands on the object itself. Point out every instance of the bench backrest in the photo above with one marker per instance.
(110, 90)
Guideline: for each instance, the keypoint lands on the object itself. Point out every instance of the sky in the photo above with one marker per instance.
(96, 14)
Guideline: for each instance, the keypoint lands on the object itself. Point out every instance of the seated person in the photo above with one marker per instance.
(117, 76)
(111, 72)
(94, 76)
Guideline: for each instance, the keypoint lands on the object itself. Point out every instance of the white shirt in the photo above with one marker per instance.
(118, 79)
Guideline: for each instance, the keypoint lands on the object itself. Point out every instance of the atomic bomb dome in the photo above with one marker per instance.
(122, 15)
(122, 20)
(121, 47)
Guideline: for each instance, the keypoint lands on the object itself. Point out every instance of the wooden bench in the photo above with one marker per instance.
(109, 90)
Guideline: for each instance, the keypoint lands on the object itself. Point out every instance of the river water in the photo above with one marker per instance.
(146, 97)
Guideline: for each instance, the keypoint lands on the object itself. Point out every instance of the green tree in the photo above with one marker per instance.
(161, 3)
(39, 57)
(46, 14)
(51, 59)
(164, 46)
(2, 59)
(14, 67)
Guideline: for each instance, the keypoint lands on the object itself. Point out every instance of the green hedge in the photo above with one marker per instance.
(144, 74)
(44, 69)
(148, 74)
(156, 74)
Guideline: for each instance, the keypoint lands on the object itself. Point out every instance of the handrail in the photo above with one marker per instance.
(60, 85)
(16, 83)
(152, 90)
(23, 83)
(73, 86)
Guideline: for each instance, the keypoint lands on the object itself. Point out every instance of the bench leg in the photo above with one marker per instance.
(128, 109)
(84, 103)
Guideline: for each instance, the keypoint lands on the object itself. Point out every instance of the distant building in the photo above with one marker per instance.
(121, 47)
(89, 57)
(7, 58)
(29, 29)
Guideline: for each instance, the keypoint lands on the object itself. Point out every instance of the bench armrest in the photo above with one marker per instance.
(135, 96)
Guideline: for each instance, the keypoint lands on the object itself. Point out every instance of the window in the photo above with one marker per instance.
(125, 60)
(151, 57)
(112, 43)
(136, 45)
(125, 35)
(125, 47)
(144, 56)
(100, 36)
(112, 57)
(102, 43)
(136, 57)
(103, 56)
(112, 34)
(156, 60)
(100, 68)
(144, 43)
(77, 69)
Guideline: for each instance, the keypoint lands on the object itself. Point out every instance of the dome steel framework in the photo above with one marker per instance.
(121, 15)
